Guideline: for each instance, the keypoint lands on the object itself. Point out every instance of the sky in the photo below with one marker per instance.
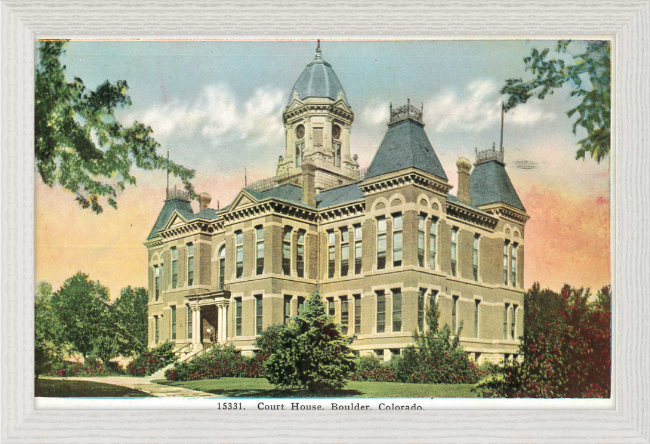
(217, 106)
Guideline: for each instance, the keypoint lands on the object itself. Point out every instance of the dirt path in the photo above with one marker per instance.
(144, 384)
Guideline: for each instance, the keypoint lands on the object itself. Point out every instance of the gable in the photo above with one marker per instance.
(243, 199)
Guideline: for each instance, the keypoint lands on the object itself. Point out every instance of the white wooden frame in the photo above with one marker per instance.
(628, 22)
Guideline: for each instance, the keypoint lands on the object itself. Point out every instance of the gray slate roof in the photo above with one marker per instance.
(339, 195)
(318, 80)
(405, 145)
(287, 192)
(489, 183)
(182, 206)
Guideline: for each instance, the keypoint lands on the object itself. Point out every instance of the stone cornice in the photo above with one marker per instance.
(202, 226)
(471, 215)
(348, 116)
(342, 211)
(507, 212)
(411, 176)
(267, 207)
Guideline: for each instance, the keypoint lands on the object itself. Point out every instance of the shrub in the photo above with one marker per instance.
(379, 374)
(153, 360)
(366, 363)
(90, 368)
(220, 361)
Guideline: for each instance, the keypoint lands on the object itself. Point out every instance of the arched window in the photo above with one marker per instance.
(222, 266)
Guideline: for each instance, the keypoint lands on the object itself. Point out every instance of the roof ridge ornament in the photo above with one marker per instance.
(407, 111)
(319, 56)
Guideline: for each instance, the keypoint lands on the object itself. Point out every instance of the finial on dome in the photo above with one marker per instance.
(318, 54)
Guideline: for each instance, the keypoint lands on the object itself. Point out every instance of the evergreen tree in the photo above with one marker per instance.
(310, 352)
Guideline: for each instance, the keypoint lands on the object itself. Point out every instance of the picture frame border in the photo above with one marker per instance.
(626, 22)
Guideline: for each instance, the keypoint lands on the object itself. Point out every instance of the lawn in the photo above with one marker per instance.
(54, 388)
(261, 388)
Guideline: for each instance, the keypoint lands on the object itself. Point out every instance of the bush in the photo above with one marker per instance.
(90, 368)
(220, 361)
(379, 374)
(153, 360)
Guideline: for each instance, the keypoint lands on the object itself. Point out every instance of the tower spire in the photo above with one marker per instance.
(318, 53)
(501, 142)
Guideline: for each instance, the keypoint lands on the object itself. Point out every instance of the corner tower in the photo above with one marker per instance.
(317, 123)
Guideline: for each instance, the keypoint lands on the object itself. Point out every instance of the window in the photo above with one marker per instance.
(505, 321)
(505, 263)
(301, 304)
(330, 307)
(433, 298)
(300, 147)
(432, 243)
(344, 315)
(357, 313)
(287, 309)
(477, 304)
(259, 250)
(513, 323)
(454, 253)
(475, 257)
(423, 291)
(397, 240)
(156, 327)
(238, 316)
(188, 310)
(397, 310)
(286, 251)
(300, 254)
(259, 311)
(513, 261)
(156, 285)
(421, 221)
(345, 251)
(222, 267)
(337, 153)
(381, 312)
(381, 243)
(454, 315)
(331, 254)
(358, 249)
(173, 308)
(239, 253)
(190, 265)
(174, 267)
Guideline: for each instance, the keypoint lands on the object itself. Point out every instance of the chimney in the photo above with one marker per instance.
(309, 183)
(464, 167)
(204, 201)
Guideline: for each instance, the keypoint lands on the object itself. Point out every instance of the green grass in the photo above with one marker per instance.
(261, 388)
(51, 388)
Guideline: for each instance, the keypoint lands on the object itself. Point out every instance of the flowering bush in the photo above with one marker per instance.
(153, 360)
(379, 374)
(89, 368)
(220, 361)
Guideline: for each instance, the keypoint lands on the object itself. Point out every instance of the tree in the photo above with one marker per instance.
(79, 143)
(130, 320)
(310, 351)
(589, 75)
(49, 343)
(82, 307)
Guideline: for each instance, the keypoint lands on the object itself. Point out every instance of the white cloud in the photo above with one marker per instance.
(375, 115)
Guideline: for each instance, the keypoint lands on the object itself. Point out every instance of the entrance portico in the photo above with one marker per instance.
(209, 318)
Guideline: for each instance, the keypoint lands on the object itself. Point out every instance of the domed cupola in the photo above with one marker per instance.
(317, 80)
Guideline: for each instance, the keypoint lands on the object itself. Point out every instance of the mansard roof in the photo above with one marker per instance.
(318, 80)
(182, 206)
(489, 183)
(288, 192)
(405, 145)
(339, 195)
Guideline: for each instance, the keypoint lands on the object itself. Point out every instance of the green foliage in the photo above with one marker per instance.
(310, 351)
(50, 345)
(82, 308)
(220, 361)
(153, 360)
(89, 368)
(589, 75)
(566, 348)
(80, 145)
(105, 347)
(129, 314)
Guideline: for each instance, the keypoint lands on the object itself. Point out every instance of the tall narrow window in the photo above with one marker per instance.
(397, 310)
(174, 267)
(173, 309)
(190, 264)
(156, 336)
(301, 304)
(300, 254)
(432, 243)
(433, 298)
(156, 272)
(421, 221)
(397, 240)
(336, 144)
(505, 263)
(505, 321)
(286, 251)
(513, 323)
(357, 313)
(239, 253)
(477, 304)
(222, 267)
(423, 291)
(300, 146)
(188, 310)
(454, 315)
(238, 316)
(381, 243)
(475, 257)
(381, 311)
(513, 261)
(331, 254)
(259, 311)
(454, 252)
(259, 250)
(344, 315)
(358, 249)
(345, 251)
(287, 309)
(330, 307)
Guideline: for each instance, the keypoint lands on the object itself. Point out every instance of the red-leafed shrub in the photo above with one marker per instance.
(152, 360)
(89, 368)
(220, 361)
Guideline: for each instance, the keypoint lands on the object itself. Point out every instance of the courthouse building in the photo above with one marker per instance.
(380, 245)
